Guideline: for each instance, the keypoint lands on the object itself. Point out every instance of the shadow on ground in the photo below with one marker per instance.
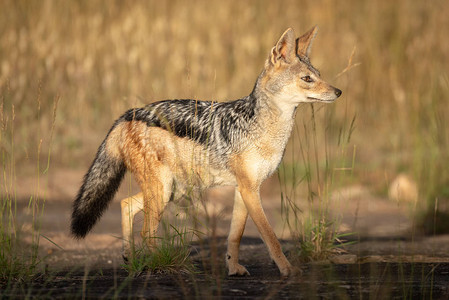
(369, 278)
(386, 261)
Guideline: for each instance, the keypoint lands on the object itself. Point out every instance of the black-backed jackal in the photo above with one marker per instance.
(188, 142)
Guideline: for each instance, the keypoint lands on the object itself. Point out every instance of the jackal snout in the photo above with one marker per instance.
(334, 94)
(318, 91)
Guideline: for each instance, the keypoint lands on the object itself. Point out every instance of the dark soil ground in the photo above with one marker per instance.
(386, 261)
(360, 280)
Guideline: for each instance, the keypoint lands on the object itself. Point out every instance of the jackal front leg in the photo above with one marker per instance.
(130, 207)
(251, 198)
(238, 222)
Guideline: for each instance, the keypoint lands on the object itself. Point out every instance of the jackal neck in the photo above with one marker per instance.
(274, 106)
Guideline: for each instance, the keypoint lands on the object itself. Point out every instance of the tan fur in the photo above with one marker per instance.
(251, 170)
(156, 157)
(159, 159)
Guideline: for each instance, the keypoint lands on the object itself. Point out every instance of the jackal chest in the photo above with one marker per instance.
(270, 156)
(267, 151)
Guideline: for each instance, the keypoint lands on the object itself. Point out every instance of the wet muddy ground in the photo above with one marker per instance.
(372, 277)
(385, 262)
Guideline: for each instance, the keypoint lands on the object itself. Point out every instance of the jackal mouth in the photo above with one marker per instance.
(320, 100)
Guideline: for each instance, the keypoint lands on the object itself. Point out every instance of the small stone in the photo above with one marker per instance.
(343, 259)
(403, 189)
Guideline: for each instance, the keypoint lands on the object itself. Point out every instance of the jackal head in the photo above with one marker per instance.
(289, 77)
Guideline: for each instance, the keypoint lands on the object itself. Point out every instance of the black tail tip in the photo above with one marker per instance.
(79, 229)
(78, 235)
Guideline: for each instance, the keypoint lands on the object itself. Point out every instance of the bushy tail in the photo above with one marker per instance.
(99, 187)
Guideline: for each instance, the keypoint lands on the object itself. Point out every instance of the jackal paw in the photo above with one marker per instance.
(237, 270)
(290, 271)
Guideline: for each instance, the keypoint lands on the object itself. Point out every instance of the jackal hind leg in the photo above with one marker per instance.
(157, 191)
(129, 208)
(238, 222)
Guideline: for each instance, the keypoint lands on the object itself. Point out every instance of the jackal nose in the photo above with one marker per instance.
(337, 92)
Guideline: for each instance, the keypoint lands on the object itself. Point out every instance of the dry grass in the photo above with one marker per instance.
(101, 57)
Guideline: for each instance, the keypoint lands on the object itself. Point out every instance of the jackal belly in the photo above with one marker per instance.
(196, 171)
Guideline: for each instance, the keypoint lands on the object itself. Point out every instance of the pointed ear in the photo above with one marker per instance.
(304, 42)
(284, 49)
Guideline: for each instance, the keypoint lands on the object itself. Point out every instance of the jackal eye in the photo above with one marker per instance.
(307, 78)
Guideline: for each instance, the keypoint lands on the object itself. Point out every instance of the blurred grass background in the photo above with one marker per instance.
(99, 58)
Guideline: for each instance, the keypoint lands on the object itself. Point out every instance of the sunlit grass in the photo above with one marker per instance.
(103, 57)
(171, 255)
(104, 61)
(19, 240)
